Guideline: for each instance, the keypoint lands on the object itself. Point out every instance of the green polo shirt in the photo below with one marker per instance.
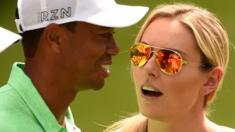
(22, 109)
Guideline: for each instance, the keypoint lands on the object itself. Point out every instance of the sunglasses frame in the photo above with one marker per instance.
(154, 51)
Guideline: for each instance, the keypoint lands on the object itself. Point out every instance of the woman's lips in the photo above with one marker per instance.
(150, 91)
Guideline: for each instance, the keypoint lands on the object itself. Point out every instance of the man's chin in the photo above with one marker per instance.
(95, 86)
(98, 86)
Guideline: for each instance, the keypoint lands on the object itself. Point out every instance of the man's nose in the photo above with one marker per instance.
(113, 48)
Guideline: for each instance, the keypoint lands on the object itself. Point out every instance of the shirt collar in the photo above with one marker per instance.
(24, 86)
(69, 122)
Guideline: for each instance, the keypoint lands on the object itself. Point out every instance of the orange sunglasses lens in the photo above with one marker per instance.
(170, 62)
(140, 54)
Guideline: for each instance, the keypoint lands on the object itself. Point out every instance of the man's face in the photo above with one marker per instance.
(87, 54)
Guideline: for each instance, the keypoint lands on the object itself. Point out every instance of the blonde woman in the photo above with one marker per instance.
(179, 60)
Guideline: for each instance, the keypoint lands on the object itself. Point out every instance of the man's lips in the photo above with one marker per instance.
(106, 60)
(109, 62)
(106, 68)
(105, 65)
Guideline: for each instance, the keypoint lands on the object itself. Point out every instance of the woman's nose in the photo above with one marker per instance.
(151, 67)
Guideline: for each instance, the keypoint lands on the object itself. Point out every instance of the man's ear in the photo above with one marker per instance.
(212, 83)
(53, 37)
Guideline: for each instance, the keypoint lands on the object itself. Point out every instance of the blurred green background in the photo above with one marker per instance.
(95, 109)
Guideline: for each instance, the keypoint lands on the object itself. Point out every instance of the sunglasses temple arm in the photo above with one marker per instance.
(123, 52)
(185, 62)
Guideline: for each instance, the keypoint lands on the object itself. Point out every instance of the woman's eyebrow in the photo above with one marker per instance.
(177, 50)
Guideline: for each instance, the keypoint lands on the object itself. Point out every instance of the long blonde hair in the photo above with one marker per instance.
(137, 123)
(212, 40)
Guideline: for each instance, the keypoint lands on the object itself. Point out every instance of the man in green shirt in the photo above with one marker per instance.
(68, 47)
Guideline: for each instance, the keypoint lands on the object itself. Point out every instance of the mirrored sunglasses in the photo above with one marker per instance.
(169, 61)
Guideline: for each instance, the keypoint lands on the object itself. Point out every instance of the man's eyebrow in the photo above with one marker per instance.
(105, 30)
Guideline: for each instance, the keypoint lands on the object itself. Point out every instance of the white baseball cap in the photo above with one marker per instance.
(7, 38)
(35, 14)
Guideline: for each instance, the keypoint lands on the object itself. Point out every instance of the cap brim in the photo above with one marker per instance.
(7, 38)
(118, 16)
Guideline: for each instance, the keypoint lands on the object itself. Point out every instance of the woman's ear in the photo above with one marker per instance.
(212, 83)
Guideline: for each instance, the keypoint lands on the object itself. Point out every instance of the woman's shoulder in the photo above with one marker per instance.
(226, 129)
(220, 128)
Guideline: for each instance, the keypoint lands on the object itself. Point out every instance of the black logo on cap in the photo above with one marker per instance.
(55, 14)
